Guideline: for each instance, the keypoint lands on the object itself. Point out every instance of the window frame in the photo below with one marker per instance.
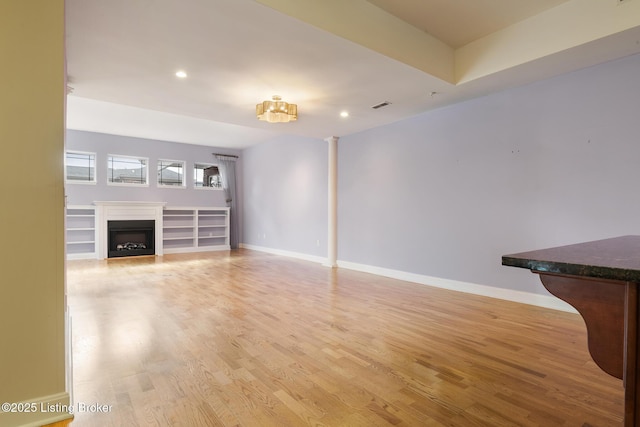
(128, 184)
(95, 168)
(183, 184)
(195, 181)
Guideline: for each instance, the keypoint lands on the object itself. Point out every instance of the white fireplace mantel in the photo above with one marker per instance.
(122, 211)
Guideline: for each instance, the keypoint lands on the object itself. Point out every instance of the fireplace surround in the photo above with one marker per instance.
(135, 213)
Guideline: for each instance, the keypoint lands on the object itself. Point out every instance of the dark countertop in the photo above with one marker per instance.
(614, 259)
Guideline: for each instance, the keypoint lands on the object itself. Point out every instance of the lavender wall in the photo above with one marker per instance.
(445, 193)
(104, 144)
(285, 195)
(448, 192)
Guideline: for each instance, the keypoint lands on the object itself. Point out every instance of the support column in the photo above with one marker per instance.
(332, 238)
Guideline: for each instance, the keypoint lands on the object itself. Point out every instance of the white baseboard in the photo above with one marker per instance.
(289, 254)
(546, 301)
(193, 249)
(48, 410)
(88, 255)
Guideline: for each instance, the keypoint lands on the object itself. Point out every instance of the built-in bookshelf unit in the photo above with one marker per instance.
(81, 232)
(194, 229)
(177, 228)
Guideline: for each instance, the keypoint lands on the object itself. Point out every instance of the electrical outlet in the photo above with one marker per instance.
(318, 242)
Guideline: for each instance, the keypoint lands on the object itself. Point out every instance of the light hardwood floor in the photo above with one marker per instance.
(253, 339)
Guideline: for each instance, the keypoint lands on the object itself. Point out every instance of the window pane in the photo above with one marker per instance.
(127, 170)
(206, 175)
(81, 167)
(170, 173)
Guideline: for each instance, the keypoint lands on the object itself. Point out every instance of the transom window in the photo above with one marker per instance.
(80, 167)
(127, 170)
(171, 173)
(206, 176)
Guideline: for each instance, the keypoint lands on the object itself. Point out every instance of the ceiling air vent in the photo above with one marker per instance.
(382, 104)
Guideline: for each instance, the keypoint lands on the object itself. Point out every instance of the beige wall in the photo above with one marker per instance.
(32, 331)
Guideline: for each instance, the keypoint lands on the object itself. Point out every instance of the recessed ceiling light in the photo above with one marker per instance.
(181, 74)
(344, 114)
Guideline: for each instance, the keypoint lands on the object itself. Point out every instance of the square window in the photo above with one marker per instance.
(171, 173)
(80, 167)
(127, 170)
(206, 176)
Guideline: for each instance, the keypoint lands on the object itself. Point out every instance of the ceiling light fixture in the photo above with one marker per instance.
(276, 111)
(181, 74)
(344, 114)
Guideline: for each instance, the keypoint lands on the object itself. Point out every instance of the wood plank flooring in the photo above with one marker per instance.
(244, 338)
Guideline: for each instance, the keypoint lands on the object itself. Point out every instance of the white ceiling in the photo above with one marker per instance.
(326, 57)
(459, 22)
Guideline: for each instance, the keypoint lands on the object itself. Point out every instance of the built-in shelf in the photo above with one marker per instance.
(81, 232)
(195, 229)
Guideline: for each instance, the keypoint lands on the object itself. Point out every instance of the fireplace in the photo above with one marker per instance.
(131, 238)
(107, 211)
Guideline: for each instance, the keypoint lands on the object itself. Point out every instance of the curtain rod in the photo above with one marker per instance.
(226, 155)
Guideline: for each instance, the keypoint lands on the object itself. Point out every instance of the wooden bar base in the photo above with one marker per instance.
(631, 360)
(601, 305)
(600, 279)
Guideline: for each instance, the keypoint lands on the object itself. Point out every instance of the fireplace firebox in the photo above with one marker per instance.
(131, 238)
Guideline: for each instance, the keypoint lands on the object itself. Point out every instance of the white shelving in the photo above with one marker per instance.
(181, 229)
(81, 232)
(195, 229)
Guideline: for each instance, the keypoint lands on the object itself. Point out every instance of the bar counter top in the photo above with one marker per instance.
(612, 259)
